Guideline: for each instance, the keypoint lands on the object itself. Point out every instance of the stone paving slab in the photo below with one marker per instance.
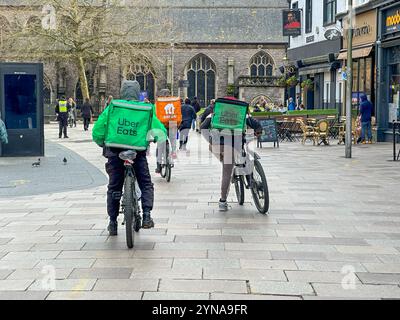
(314, 230)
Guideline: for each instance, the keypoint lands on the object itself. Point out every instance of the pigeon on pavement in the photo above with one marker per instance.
(65, 160)
(36, 164)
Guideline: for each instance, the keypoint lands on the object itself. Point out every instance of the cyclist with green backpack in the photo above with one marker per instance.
(128, 124)
(224, 128)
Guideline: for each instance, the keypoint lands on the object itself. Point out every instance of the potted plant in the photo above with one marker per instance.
(230, 90)
(281, 82)
(292, 81)
(307, 84)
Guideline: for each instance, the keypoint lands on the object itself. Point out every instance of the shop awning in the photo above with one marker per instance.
(357, 53)
(316, 68)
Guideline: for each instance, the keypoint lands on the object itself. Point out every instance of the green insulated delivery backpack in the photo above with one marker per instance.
(128, 124)
(229, 115)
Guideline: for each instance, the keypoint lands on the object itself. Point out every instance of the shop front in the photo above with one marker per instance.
(389, 75)
(364, 66)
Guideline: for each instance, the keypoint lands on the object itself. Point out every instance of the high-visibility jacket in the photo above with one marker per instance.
(62, 106)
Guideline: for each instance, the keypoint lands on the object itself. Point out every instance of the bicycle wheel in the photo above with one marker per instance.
(163, 172)
(129, 209)
(168, 171)
(259, 188)
(239, 188)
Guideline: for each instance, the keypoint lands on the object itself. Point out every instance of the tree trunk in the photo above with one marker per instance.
(83, 79)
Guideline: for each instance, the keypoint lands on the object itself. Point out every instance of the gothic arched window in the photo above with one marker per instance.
(261, 65)
(201, 76)
(142, 73)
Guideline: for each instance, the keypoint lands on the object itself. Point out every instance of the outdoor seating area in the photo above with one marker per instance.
(317, 126)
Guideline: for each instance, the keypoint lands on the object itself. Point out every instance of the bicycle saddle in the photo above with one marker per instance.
(128, 155)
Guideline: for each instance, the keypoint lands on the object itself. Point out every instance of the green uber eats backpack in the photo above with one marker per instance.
(128, 124)
(229, 115)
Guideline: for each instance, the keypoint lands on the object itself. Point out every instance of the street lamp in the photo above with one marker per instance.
(349, 70)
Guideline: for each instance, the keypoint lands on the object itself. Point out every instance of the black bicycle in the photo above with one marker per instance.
(130, 200)
(166, 162)
(256, 181)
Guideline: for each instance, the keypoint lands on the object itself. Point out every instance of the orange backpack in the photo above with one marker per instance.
(169, 109)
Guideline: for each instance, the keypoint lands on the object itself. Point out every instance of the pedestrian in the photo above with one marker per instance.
(3, 132)
(72, 109)
(366, 116)
(292, 105)
(87, 113)
(188, 115)
(130, 91)
(196, 106)
(61, 110)
(208, 111)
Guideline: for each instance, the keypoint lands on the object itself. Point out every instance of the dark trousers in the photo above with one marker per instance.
(86, 122)
(62, 125)
(116, 171)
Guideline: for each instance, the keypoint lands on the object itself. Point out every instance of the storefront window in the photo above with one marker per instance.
(394, 94)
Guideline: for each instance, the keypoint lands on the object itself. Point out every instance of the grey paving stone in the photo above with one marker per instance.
(14, 285)
(40, 273)
(241, 274)
(286, 255)
(63, 285)
(170, 254)
(333, 241)
(23, 295)
(57, 246)
(367, 249)
(310, 248)
(179, 272)
(126, 285)
(227, 286)
(4, 240)
(345, 257)
(117, 246)
(101, 273)
(255, 246)
(18, 264)
(4, 273)
(95, 295)
(233, 296)
(268, 264)
(328, 266)
(281, 288)
(262, 239)
(208, 239)
(31, 255)
(132, 263)
(315, 276)
(360, 291)
(206, 263)
(67, 263)
(175, 296)
(382, 267)
(189, 246)
(379, 278)
(95, 254)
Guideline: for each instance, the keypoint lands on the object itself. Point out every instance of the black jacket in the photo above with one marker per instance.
(188, 115)
(86, 110)
(196, 106)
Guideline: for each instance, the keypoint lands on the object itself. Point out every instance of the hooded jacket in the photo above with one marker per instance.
(365, 109)
(130, 91)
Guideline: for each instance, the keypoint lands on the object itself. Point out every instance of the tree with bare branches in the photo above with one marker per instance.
(84, 31)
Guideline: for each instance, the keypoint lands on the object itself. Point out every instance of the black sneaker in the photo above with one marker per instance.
(148, 222)
(113, 228)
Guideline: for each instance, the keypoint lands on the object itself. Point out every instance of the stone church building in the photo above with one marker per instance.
(218, 47)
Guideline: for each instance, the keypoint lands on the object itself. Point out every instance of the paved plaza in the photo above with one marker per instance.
(333, 229)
